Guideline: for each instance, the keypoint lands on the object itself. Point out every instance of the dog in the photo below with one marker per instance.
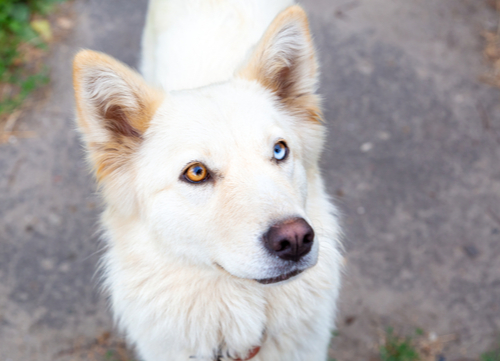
(222, 243)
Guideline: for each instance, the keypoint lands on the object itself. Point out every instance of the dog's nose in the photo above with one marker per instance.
(290, 240)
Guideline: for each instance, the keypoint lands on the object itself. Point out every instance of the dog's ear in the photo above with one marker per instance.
(284, 61)
(114, 107)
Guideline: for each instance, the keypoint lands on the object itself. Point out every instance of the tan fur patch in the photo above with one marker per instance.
(285, 76)
(122, 117)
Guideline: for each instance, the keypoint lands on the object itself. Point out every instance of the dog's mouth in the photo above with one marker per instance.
(268, 281)
(283, 277)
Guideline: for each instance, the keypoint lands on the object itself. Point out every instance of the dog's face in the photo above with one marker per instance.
(251, 156)
(220, 175)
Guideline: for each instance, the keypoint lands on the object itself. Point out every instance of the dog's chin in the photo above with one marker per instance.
(268, 281)
(281, 278)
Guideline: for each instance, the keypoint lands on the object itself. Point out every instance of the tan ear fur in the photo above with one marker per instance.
(285, 63)
(115, 107)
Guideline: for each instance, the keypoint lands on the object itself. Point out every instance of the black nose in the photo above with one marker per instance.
(290, 240)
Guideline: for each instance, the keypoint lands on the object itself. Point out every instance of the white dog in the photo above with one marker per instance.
(222, 244)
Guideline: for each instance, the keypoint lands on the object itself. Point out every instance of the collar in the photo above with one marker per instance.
(253, 352)
(251, 355)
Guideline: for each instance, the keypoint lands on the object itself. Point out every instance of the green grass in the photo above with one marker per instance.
(25, 85)
(109, 356)
(112, 355)
(334, 334)
(491, 355)
(15, 32)
(398, 348)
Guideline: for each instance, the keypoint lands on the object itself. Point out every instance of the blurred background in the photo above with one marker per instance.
(413, 160)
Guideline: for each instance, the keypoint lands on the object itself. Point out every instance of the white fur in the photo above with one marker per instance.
(182, 259)
(191, 43)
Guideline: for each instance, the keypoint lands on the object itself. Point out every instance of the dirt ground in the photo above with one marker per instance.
(413, 159)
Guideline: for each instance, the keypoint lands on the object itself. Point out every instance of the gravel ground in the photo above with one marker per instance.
(413, 159)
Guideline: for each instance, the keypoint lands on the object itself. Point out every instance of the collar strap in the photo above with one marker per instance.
(251, 355)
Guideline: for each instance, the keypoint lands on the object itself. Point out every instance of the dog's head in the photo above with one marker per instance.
(220, 174)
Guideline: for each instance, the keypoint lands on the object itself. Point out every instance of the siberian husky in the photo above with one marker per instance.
(222, 243)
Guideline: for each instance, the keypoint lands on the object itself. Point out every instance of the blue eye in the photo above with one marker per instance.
(280, 151)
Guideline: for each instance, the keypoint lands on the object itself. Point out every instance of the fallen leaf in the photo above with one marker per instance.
(43, 28)
(65, 23)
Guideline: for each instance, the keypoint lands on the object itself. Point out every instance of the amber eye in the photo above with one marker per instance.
(196, 173)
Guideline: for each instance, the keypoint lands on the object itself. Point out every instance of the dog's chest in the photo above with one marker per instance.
(193, 315)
